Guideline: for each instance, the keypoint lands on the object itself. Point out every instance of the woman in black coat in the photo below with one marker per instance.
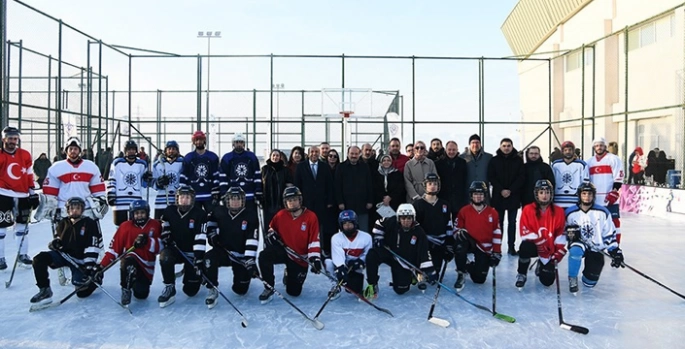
(388, 185)
(275, 177)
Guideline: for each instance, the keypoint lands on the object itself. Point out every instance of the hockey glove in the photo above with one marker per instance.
(432, 278)
(213, 236)
(558, 256)
(495, 258)
(111, 199)
(198, 263)
(315, 262)
(461, 235)
(94, 272)
(251, 267)
(616, 258)
(611, 198)
(357, 264)
(272, 238)
(448, 253)
(34, 201)
(166, 239)
(378, 243)
(572, 233)
(56, 244)
(147, 177)
(141, 241)
(341, 272)
(163, 181)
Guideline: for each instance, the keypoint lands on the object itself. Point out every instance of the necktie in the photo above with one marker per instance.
(314, 170)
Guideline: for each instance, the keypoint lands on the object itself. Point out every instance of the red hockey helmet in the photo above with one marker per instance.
(568, 144)
(198, 135)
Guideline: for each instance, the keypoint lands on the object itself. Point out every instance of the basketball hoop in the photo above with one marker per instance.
(346, 114)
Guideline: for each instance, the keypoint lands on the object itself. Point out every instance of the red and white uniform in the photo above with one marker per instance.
(604, 171)
(124, 238)
(66, 180)
(483, 226)
(16, 173)
(301, 233)
(344, 249)
(546, 231)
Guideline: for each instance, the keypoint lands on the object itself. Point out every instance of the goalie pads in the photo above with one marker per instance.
(98, 207)
(47, 207)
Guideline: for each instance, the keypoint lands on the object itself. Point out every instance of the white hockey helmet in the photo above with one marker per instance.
(73, 141)
(238, 137)
(600, 140)
(406, 210)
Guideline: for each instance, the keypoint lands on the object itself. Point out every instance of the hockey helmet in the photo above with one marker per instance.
(405, 210)
(171, 144)
(138, 205)
(478, 187)
(10, 131)
(131, 144)
(568, 144)
(292, 192)
(73, 141)
(238, 137)
(182, 203)
(233, 193)
(198, 135)
(428, 178)
(599, 140)
(348, 216)
(543, 184)
(75, 202)
(586, 187)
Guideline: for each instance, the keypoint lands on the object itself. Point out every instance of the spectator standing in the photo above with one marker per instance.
(353, 188)
(536, 170)
(477, 162)
(452, 172)
(415, 171)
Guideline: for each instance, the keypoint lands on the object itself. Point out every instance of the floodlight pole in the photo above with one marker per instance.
(209, 35)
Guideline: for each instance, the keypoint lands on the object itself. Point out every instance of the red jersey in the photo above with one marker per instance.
(301, 233)
(16, 173)
(483, 226)
(546, 231)
(125, 236)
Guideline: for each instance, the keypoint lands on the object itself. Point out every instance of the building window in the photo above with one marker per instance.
(658, 30)
(573, 59)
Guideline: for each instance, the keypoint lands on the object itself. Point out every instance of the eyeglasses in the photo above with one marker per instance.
(419, 148)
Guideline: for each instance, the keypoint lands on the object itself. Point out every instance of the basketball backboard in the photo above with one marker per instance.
(356, 102)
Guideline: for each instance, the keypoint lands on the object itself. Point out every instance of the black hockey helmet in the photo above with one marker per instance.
(478, 187)
(586, 187)
(543, 184)
(75, 201)
(431, 177)
(131, 144)
(10, 131)
(138, 205)
(183, 191)
(234, 192)
(292, 192)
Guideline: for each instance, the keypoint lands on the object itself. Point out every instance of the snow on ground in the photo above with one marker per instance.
(623, 311)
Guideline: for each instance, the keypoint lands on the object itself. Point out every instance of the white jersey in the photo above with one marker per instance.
(163, 167)
(597, 229)
(568, 178)
(344, 250)
(604, 172)
(66, 180)
(125, 182)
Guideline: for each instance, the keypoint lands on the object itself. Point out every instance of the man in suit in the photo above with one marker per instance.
(315, 180)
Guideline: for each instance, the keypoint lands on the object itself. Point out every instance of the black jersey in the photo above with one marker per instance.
(81, 240)
(186, 229)
(412, 245)
(435, 219)
(237, 233)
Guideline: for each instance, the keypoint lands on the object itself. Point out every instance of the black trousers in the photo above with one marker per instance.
(296, 274)
(527, 251)
(134, 277)
(401, 278)
(477, 270)
(54, 260)
(168, 258)
(218, 257)
(511, 225)
(13, 210)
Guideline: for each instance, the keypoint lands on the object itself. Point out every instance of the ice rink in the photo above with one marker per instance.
(625, 310)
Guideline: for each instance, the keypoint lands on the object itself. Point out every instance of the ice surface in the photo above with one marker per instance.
(623, 311)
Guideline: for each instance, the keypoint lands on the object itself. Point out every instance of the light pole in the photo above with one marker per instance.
(278, 88)
(209, 35)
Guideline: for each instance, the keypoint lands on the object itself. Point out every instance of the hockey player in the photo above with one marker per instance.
(201, 171)
(589, 230)
(404, 236)
(477, 231)
(73, 177)
(166, 172)
(240, 168)
(182, 229)
(569, 173)
(127, 178)
(296, 227)
(233, 232)
(435, 217)
(542, 235)
(138, 267)
(349, 248)
(79, 238)
(606, 173)
(17, 198)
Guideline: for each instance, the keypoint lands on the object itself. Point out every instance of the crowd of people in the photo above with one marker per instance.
(415, 212)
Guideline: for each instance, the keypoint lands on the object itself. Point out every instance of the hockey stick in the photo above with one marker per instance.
(243, 321)
(562, 324)
(494, 290)
(434, 320)
(292, 252)
(331, 294)
(77, 266)
(16, 260)
(37, 307)
(499, 316)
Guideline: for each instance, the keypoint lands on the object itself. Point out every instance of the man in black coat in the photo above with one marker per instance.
(315, 180)
(353, 188)
(507, 175)
(536, 169)
(452, 172)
